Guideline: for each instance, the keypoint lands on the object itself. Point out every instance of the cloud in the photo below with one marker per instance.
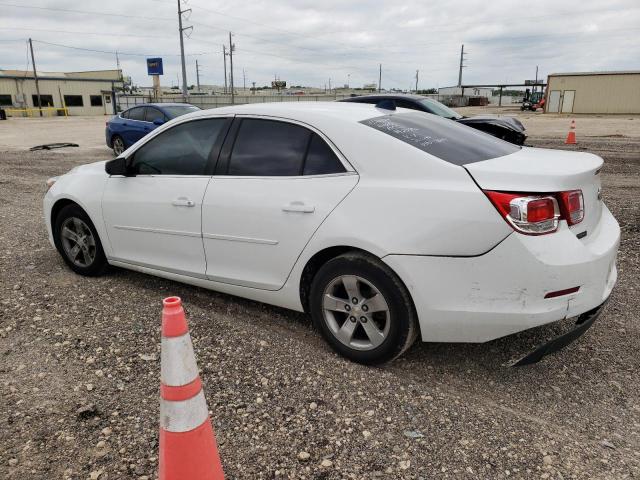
(306, 42)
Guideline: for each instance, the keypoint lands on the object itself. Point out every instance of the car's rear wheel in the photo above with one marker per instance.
(77, 241)
(362, 309)
(118, 145)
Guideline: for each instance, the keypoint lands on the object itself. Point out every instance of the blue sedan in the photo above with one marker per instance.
(134, 123)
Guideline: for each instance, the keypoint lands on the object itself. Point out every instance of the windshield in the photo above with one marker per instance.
(174, 111)
(439, 109)
(450, 141)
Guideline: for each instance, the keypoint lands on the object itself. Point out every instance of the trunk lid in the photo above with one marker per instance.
(534, 170)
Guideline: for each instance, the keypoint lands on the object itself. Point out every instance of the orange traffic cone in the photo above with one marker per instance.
(571, 136)
(188, 447)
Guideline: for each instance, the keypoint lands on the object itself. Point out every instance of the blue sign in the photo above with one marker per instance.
(154, 66)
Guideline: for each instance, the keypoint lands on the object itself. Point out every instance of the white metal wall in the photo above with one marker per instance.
(26, 88)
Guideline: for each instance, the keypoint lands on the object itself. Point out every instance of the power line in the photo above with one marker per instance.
(113, 52)
(86, 12)
(100, 34)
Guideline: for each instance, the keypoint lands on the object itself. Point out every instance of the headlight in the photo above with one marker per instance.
(50, 182)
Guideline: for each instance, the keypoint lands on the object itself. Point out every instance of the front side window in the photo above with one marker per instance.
(445, 139)
(402, 103)
(181, 150)
(136, 113)
(437, 108)
(154, 114)
(174, 111)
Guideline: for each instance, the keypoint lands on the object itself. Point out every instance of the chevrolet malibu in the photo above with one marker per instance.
(383, 225)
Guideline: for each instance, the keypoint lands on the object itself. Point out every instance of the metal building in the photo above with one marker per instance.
(593, 92)
(81, 93)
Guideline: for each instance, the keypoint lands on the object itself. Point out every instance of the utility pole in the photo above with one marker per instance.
(244, 82)
(535, 87)
(254, 87)
(224, 57)
(35, 76)
(232, 47)
(417, 73)
(380, 79)
(329, 86)
(198, 75)
(461, 66)
(184, 67)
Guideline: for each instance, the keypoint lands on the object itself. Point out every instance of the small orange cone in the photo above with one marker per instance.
(188, 447)
(571, 136)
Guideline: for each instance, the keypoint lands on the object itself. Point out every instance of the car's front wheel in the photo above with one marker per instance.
(77, 241)
(362, 309)
(118, 145)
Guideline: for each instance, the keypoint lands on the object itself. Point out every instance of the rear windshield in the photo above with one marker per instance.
(177, 110)
(442, 138)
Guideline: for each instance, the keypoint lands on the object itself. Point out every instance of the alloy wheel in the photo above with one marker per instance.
(78, 242)
(118, 146)
(356, 312)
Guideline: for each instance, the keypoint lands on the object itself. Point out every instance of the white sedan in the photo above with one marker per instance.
(383, 224)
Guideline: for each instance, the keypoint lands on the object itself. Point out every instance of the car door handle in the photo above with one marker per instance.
(183, 202)
(299, 207)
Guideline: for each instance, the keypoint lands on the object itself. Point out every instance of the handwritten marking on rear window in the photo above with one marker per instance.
(409, 134)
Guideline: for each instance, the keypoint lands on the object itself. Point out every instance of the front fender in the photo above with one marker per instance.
(85, 189)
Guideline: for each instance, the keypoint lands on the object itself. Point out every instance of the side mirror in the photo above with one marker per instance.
(117, 166)
(158, 121)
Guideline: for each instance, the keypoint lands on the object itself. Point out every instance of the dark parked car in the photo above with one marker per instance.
(507, 128)
(134, 123)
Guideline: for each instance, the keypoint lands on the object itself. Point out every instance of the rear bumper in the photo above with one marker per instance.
(477, 299)
(582, 325)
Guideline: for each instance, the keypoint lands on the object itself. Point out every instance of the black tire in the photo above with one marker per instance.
(402, 317)
(114, 139)
(99, 263)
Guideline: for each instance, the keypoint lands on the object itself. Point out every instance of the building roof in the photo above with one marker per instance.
(91, 75)
(613, 72)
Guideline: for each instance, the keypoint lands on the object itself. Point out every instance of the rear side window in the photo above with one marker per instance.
(268, 148)
(320, 158)
(136, 113)
(442, 138)
(273, 148)
(181, 150)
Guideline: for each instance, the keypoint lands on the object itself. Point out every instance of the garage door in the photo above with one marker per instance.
(567, 101)
(554, 101)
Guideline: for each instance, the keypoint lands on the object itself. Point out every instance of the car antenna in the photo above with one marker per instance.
(386, 104)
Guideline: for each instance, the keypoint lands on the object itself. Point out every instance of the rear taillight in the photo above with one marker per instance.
(537, 214)
(572, 206)
(527, 213)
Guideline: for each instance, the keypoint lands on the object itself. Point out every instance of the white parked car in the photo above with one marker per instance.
(382, 224)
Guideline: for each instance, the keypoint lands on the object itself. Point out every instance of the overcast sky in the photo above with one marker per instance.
(309, 42)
